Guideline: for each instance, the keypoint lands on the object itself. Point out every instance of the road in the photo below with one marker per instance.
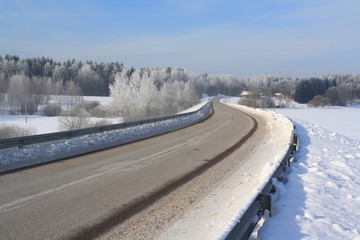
(104, 194)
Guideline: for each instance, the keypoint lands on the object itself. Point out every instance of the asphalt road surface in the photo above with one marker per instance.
(132, 191)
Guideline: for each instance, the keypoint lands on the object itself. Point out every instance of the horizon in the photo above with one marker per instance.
(279, 38)
(128, 66)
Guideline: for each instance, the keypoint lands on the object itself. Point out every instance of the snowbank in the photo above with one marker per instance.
(202, 103)
(216, 215)
(28, 155)
(322, 195)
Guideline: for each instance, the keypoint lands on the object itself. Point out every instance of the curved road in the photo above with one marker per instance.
(104, 194)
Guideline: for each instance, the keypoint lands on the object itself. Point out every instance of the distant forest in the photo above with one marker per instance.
(39, 77)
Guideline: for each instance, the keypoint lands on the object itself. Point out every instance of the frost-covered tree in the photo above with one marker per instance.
(89, 81)
(151, 92)
(210, 84)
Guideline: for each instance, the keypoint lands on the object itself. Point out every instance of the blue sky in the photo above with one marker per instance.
(295, 38)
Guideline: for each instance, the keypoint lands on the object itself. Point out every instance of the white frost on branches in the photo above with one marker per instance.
(151, 92)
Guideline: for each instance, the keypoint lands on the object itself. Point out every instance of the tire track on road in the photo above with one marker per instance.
(139, 204)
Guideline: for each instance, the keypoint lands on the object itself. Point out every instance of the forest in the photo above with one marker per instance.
(25, 84)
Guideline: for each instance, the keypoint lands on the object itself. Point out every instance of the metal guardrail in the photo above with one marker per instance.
(248, 221)
(41, 138)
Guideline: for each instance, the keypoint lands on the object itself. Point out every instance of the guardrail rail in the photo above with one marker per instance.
(19, 146)
(41, 138)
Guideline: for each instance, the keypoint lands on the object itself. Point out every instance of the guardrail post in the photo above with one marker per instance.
(295, 144)
(266, 204)
(243, 229)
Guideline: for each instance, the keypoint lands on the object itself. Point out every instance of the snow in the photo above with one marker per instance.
(202, 103)
(342, 120)
(12, 158)
(104, 101)
(322, 196)
(216, 214)
(42, 124)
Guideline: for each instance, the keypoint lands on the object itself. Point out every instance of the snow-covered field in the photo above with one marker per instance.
(322, 197)
(42, 124)
(342, 120)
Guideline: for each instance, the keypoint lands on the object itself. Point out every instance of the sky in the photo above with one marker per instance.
(285, 38)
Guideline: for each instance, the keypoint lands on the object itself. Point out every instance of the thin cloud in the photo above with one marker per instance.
(301, 40)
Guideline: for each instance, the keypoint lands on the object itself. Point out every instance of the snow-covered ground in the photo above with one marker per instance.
(322, 197)
(342, 120)
(43, 124)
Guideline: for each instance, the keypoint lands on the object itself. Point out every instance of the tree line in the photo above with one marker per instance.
(91, 78)
(39, 78)
(329, 90)
(149, 92)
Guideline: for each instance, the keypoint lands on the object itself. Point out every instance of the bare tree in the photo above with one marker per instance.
(333, 94)
(72, 93)
(74, 120)
(319, 101)
(19, 92)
